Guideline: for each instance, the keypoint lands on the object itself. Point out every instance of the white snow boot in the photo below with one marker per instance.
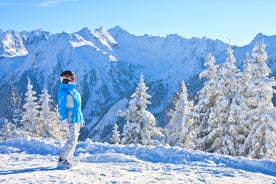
(63, 163)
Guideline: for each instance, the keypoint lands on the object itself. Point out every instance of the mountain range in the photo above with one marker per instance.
(108, 65)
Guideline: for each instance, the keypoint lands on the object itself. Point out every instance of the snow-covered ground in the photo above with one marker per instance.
(31, 160)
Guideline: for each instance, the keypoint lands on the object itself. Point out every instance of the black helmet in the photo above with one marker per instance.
(67, 76)
(67, 73)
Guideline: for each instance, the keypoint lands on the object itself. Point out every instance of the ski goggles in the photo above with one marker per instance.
(68, 78)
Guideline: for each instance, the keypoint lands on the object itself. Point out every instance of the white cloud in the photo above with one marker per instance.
(40, 3)
(52, 2)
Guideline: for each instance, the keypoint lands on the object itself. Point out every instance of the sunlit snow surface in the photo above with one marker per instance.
(33, 160)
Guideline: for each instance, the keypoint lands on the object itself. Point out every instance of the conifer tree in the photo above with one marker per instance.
(140, 123)
(178, 131)
(10, 128)
(238, 111)
(206, 97)
(115, 135)
(14, 107)
(49, 126)
(59, 130)
(214, 134)
(7, 131)
(260, 117)
(30, 111)
(223, 132)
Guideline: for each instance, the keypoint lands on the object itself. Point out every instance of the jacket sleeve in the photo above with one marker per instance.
(77, 116)
(62, 105)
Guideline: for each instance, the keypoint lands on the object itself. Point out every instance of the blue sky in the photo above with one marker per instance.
(237, 20)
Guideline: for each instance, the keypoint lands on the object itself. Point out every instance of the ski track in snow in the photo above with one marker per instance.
(35, 160)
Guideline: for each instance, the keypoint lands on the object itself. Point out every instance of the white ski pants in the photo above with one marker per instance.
(72, 136)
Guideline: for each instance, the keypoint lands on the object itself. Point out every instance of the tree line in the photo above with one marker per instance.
(38, 117)
(234, 114)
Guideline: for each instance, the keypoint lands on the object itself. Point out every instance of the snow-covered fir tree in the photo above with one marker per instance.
(260, 115)
(222, 134)
(178, 131)
(115, 138)
(30, 111)
(14, 107)
(48, 126)
(216, 134)
(9, 130)
(6, 132)
(206, 97)
(238, 111)
(60, 131)
(140, 123)
(238, 118)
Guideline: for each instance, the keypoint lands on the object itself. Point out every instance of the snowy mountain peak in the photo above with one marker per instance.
(118, 31)
(105, 38)
(259, 35)
(12, 44)
(259, 38)
(84, 30)
(100, 37)
(100, 29)
(34, 38)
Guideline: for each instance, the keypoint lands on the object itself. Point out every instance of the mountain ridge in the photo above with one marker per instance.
(108, 64)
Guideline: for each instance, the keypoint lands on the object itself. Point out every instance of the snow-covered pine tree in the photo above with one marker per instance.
(223, 132)
(178, 131)
(14, 107)
(48, 120)
(260, 120)
(206, 97)
(10, 128)
(115, 138)
(30, 111)
(216, 136)
(7, 131)
(238, 111)
(140, 123)
(59, 130)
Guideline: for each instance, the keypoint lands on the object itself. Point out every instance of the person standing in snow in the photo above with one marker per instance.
(69, 106)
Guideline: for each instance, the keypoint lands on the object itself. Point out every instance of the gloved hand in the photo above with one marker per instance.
(82, 124)
(65, 124)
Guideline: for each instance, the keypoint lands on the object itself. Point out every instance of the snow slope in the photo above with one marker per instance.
(31, 160)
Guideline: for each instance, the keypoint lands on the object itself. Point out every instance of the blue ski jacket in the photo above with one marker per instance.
(63, 92)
